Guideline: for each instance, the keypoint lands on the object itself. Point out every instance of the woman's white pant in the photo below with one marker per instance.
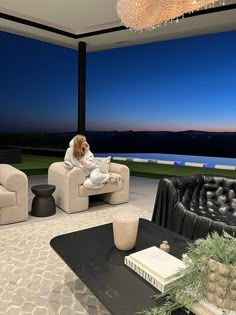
(96, 179)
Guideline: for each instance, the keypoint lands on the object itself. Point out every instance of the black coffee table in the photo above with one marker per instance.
(91, 255)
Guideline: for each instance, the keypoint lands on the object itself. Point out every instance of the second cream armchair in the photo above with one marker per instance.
(71, 196)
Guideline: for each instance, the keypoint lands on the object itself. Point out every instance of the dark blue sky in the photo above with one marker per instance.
(173, 85)
(38, 85)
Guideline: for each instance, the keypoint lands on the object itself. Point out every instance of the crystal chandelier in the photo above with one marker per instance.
(149, 14)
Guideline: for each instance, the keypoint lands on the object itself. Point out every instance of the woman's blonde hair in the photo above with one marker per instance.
(78, 151)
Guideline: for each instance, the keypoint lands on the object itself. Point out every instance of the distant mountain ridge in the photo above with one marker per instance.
(190, 132)
(188, 142)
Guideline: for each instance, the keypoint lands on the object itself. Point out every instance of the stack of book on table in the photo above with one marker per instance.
(160, 269)
(156, 266)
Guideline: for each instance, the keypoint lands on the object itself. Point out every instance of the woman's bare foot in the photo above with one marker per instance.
(114, 178)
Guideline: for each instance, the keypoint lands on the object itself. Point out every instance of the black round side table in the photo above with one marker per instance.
(43, 204)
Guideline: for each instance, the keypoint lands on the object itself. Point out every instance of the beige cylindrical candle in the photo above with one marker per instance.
(125, 228)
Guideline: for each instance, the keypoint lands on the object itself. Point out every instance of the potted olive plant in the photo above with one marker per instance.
(210, 275)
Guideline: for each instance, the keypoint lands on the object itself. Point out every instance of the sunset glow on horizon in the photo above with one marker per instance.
(108, 127)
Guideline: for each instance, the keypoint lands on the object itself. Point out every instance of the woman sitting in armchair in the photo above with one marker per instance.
(79, 155)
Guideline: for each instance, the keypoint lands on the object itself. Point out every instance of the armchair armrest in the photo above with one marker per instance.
(67, 183)
(13, 179)
(124, 171)
(121, 169)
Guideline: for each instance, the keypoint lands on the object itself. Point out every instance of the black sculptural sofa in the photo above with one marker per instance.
(196, 205)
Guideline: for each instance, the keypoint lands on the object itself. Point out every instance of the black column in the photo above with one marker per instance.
(81, 86)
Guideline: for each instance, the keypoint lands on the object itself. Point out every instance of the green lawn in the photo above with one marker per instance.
(158, 170)
(35, 164)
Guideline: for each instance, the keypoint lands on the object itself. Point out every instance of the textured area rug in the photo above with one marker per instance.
(34, 279)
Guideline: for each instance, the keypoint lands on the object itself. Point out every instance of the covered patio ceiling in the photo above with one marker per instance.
(68, 22)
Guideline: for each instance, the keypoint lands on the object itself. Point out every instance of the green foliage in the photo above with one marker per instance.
(219, 248)
(192, 286)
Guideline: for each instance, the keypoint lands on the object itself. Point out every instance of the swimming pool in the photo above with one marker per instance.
(206, 161)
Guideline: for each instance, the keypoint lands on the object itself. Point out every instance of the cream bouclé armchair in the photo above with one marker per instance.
(13, 195)
(70, 194)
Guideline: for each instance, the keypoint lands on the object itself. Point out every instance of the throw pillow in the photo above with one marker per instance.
(104, 164)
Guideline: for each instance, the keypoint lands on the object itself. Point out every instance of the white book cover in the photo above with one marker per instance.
(148, 275)
(162, 265)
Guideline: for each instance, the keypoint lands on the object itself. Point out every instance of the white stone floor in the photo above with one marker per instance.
(142, 194)
(34, 279)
